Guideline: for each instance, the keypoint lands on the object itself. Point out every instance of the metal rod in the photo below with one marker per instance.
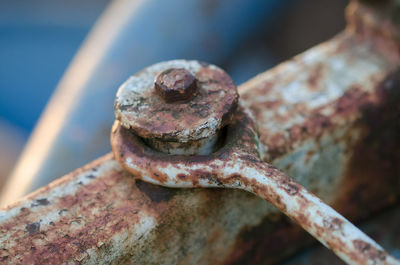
(325, 224)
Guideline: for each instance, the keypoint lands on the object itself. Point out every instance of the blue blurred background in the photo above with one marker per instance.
(38, 40)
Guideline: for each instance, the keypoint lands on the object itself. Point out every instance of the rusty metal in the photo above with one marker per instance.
(383, 227)
(182, 127)
(342, 124)
(175, 84)
(100, 214)
(237, 164)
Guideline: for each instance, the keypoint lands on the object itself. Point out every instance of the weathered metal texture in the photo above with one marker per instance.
(336, 104)
(236, 164)
(176, 85)
(188, 127)
(343, 128)
(383, 227)
(101, 215)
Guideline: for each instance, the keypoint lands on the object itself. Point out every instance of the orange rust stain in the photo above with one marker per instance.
(303, 219)
(334, 224)
(309, 154)
(159, 176)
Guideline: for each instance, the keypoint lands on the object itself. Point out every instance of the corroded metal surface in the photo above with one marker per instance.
(100, 214)
(236, 165)
(139, 108)
(183, 126)
(330, 106)
(343, 126)
(175, 85)
(383, 227)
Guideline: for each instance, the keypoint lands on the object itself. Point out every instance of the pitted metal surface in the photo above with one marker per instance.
(141, 109)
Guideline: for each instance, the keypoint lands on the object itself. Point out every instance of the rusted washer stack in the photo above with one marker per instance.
(177, 107)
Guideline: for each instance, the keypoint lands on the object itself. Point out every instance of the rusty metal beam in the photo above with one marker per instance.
(336, 105)
(231, 161)
(329, 112)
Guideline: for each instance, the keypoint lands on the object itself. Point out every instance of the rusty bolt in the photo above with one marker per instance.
(207, 100)
(174, 85)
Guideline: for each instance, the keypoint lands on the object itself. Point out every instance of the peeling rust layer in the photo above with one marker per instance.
(100, 215)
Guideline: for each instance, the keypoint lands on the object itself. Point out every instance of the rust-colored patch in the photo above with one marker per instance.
(315, 77)
(161, 177)
(371, 252)
(351, 101)
(291, 188)
(333, 224)
(375, 156)
(277, 144)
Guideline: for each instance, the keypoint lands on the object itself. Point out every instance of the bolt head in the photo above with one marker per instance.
(140, 108)
(175, 84)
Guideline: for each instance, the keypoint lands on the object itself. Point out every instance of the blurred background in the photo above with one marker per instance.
(72, 55)
(38, 39)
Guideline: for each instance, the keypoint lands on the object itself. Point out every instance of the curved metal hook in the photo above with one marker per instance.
(237, 165)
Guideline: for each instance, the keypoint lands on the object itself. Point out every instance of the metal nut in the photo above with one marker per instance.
(204, 100)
